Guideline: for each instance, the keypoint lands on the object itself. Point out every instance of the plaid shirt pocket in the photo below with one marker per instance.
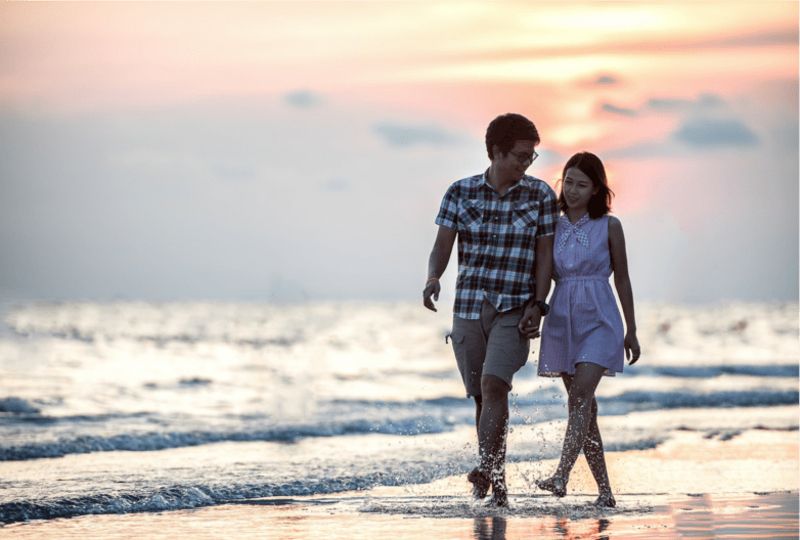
(526, 215)
(470, 214)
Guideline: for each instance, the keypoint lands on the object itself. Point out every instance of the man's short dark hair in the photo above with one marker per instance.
(505, 130)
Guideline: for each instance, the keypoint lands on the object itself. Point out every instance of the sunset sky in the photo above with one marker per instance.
(299, 151)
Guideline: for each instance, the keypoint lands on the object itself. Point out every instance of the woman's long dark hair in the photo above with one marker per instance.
(590, 165)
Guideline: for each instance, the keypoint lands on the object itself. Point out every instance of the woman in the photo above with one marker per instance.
(582, 337)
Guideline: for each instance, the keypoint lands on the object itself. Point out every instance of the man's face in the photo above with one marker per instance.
(517, 161)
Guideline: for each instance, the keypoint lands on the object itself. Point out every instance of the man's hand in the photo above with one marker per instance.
(529, 323)
(632, 350)
(432, 288)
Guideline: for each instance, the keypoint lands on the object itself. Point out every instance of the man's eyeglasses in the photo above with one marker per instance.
(523, 158)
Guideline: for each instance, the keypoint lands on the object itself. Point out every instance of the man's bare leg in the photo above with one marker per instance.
(478, 402)
(492, 430)
(480, 481)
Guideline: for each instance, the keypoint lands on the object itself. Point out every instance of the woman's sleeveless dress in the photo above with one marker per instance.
(584, 324)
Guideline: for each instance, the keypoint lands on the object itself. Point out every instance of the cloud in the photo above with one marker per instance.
(605, 80)
(757, 39)
(697, 133)
(652, 44)
(303, 99)
(549, 157)
(703, 101)
(707, 132)
(641, 150)
(614, 109)
(409, 135)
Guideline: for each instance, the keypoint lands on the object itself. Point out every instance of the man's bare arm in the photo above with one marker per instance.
(543, 272)
(544, 266)
(437, 263)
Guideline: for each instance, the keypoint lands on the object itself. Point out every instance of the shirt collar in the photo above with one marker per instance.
(483, 182)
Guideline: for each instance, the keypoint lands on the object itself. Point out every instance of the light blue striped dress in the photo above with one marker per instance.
(584, 324)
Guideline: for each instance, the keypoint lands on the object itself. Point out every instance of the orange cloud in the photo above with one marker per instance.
(102, 55)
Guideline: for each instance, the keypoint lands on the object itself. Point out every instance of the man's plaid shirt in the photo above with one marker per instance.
(496, 240)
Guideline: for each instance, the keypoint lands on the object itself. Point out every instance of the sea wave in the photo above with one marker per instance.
(724, 399)
(387, 472)
(628, 401)
(435, 415)
(709, 371)
(25, 413)
(87, 336)
(177, 497)
(17, 405)
(141, 442)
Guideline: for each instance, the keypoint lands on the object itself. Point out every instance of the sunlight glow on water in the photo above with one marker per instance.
(310, 399)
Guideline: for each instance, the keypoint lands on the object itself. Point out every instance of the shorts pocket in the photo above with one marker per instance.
(469, 361)
(456, 337)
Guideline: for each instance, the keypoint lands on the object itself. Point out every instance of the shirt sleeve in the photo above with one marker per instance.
(548, 214)
(448, 211)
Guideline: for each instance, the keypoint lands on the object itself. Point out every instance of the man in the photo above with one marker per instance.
(505, 222)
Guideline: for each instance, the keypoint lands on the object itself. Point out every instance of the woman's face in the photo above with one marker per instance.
(577, 188)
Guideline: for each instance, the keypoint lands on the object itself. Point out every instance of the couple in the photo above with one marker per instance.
(511, 242)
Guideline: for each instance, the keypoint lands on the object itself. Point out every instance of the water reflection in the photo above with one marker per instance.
(581, 529)
(494, 528)
(490, 528)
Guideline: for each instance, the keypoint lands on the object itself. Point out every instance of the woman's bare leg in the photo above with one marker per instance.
(593, 449)
(581, 396)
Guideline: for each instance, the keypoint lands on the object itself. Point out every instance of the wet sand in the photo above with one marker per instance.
(689, 486)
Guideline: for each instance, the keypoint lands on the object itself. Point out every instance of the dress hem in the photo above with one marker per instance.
(553, 374)
(609, 371)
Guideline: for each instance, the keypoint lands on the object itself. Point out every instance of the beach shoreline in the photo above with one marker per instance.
(158, 421)
(684, 486)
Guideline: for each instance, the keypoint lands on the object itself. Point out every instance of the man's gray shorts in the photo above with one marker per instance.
(491, 345)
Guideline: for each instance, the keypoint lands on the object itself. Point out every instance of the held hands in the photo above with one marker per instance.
(632, 350)
(529, 323)
(432, 288)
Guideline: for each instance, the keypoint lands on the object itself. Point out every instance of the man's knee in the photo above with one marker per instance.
(494, 388)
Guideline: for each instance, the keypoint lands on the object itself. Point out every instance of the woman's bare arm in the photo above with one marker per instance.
(622, 282)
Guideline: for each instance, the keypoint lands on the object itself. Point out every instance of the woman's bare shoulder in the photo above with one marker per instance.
(614, 226)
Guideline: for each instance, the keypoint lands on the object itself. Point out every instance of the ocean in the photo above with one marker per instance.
(116, 407)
